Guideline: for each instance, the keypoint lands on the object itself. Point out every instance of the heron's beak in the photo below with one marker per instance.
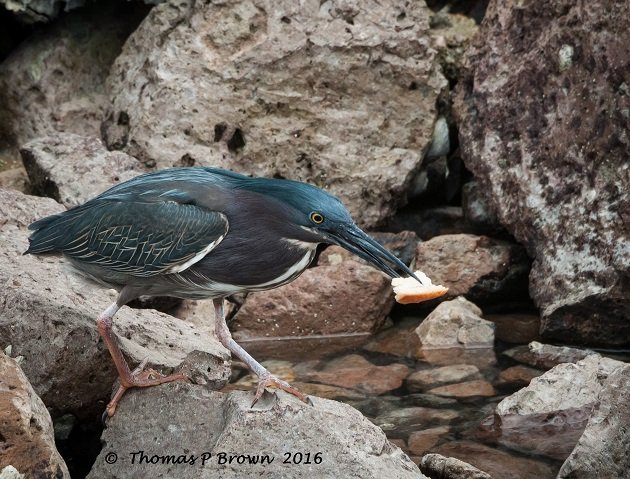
(355, 240)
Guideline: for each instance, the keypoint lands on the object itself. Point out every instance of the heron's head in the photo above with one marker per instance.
(324, 219)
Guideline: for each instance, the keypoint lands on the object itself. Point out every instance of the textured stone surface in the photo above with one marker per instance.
(438, 466)
(427, 378)
(548, 416)
(342, 298)
(27, 439)
(498, 464)
(517, 376)
(456, 323)
(342, 94)
(73, 169)
(48, 316)
(421, 441)
(467, 389)
(481, 268)
(550, 147)
(602, 451)
(516, 328)
(55, 80)
(192, 421)
(356, 372)
(546, 356)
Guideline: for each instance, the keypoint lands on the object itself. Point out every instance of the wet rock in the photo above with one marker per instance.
(481, 268)
(478, 210)
(546, 356)
(456, 323)
(343, 298)
(498, 464)
(548, 416)
(73, 169)
(26, 430)
(402, 244)
(430, 222)
(438, 466)
(55, 80)
(420, 442)
(515, 328)
(195, 421)
(356, 372)
(468, 389)
(517, 376)
(602, 451)
(49, 318)
(282, 101)
(556, 171)
(402, 421)
(428, 378)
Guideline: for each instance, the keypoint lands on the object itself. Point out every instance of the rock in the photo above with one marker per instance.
(498, 464)
(55, 80)
(554, 161)
(343, 298)
(421, 441)
(548, 416)
(265, 90)
(428, 378)
(436, 465)
(403, 421)
(515, 327)
(517, 376)
(481, 268)
(546, 356)
(430, 222)
(330, 438)
(602, 451)
(26, 430)
(356, 372)
(14, 179)
(73, 169)
(402, 245)
(49, 317)
(476, 388)
(456, 323)
(478, 210)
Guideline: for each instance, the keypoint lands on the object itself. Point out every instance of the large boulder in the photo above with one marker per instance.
(48, 317)
(55, 80)
(548, 416)
(542, 111)
(602, 451)
(27, 438)
(73, 169)
(342, 95)
(206, 434)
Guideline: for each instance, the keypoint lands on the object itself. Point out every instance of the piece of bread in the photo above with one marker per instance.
(408, 290)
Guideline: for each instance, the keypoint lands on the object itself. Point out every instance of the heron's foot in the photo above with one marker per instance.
(270, 380)
(140, 378)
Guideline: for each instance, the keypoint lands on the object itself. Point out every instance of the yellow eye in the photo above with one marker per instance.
(317, 218)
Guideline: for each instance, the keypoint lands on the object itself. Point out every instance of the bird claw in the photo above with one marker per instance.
(274, 381)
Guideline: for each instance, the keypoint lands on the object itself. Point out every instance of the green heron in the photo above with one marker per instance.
(200, 233)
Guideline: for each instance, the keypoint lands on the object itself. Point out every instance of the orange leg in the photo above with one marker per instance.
(139, 377)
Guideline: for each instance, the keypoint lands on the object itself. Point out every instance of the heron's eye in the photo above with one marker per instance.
(317, 218)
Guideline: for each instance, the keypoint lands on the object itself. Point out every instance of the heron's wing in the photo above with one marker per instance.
(140, 238)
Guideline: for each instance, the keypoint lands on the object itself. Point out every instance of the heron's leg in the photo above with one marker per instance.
(139, 377)
(265, 378)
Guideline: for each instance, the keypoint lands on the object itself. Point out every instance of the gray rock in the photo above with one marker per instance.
(481, 268)
(48, 317)
(428, 378)
(55, 80)
(26, 430)
(478, 210)
(192, 421)
(546, 356)
(73, 169)
(602, 451)
(548, 416)
(436, 465)
(550, 147)
(343, 298)
(343, 96)
(456, 323)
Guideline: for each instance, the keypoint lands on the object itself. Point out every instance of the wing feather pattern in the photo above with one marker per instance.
(139, 238)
